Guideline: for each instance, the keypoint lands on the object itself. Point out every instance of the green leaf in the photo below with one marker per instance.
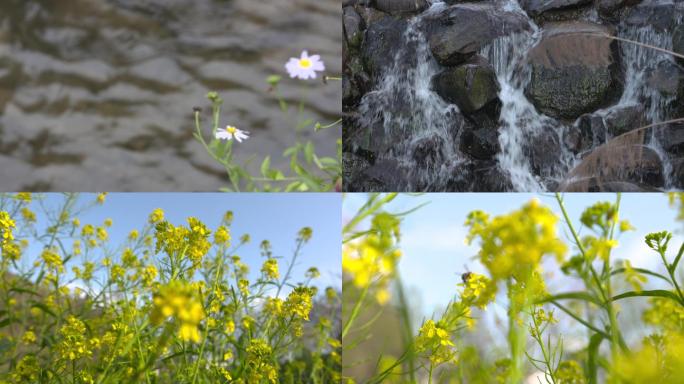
(309, 152)
(329, 161)
(572, 296)
(291, 151)
(640, 270)
(275, 174)
(593, 349)
(24, 290)
(652, 293)
(265, 166)
(292, 186)
(5, 322)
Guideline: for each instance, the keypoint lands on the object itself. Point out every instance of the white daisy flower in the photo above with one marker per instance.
(305, 67)
(230, 132)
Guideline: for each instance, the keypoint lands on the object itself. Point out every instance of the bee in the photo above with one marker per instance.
(466, 276)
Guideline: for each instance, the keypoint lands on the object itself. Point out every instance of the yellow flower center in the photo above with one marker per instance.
(231, 130)
(305, 63)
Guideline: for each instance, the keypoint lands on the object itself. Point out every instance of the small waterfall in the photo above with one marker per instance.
(409, 119)
(520, 121)
(409, 112)
(638, 62)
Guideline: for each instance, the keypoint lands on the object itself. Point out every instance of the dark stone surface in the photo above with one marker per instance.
(625, 119)
(487, 176)
(353, 27)
(609, 8)
(537, 7)
(617, 162)
(573, 71)
(382, 40)
(428, 151)
(678, 41)
(543, 152)
(470, 86)
(480, 143)
(400, 7)
(461, 30)
(658, 14)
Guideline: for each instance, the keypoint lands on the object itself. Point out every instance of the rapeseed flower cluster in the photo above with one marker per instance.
(372, 260)
(434, 341)
(270, 269)
(180, 301)
(6, 227)
(478, 290)
(517, 241)
(179, 241)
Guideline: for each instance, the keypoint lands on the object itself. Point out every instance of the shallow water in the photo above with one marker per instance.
(98, 94)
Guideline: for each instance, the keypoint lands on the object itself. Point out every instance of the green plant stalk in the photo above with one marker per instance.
(406, 324)
(516, 341)
(580, 246)
(610, 309)
(367, 212)
(670, 271)
(355, 312)
(204, 341)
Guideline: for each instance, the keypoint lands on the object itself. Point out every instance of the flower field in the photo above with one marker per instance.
(173, 303)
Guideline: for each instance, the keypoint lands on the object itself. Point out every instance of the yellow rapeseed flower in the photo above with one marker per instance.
(179, 301)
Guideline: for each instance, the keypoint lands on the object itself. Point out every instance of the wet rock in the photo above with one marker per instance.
(618, 161)
(594, 184)
(352, 165)
(609, 8)
(623, 119)
(353, 27)
(384, 175)
(667, 78)
(369, 14)
(655, 13)
(471, 86)
(401, 7)
(671, 138)
(580, 137)
(489, 177)
(461, 30)
(480, 143)
(678, 41)
(572, 71)
(355, 82)
(536, 7)
(383, 38)
(543, 152)
(428, 151)
(678, 173)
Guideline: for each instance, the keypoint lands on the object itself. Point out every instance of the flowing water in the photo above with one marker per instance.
(98, 94)
(426, 114)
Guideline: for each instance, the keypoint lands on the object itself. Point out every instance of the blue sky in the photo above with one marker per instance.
(272, 217)
(435, 254)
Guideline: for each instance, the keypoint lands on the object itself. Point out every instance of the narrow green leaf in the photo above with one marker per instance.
(572, 296)
(309, 152)
(265, 166)
(652, 293)
(592, 363)
(642, 271)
